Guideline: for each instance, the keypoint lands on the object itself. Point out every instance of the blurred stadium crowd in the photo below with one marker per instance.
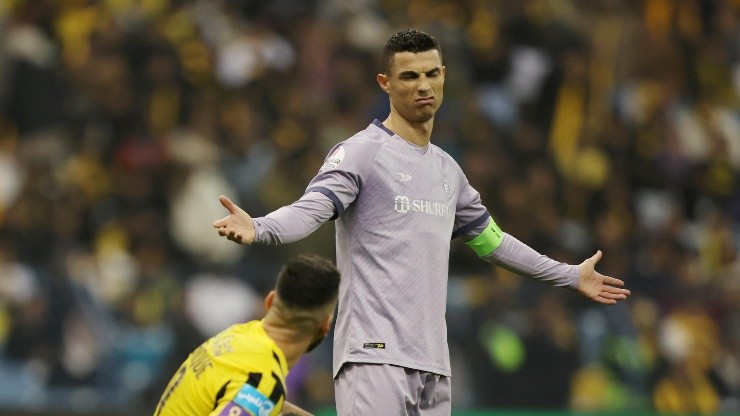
(585, 125)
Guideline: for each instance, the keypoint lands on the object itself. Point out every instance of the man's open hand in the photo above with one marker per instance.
(237, 226)
(596, 286)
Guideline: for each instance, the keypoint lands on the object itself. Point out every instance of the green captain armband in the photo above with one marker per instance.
(487, 241)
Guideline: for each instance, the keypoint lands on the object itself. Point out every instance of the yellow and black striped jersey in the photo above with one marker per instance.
(239, 372)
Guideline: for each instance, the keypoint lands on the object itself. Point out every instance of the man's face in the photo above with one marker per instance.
(415, 84)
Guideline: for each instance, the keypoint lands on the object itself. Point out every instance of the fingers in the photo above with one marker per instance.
(230, 206)
(232, 235)
(596, 257)
(220, 223)
(609, 285)
(615, 296)
(605, 301)
(609, 295)
(225, 225)
(604, 289)
(226, 202)
(616, 290)
(612, 281)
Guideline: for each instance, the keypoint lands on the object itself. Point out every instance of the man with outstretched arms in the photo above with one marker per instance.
(241, 371)
(397, 200)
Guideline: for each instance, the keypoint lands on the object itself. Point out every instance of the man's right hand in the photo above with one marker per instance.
(238, 226)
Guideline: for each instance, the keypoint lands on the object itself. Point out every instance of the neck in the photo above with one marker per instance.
(291, 341)
(416, 133)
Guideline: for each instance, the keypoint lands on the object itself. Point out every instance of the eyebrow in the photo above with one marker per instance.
(414, 73)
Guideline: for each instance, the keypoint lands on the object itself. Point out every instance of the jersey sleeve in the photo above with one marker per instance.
(471, 217)
(481, 233)
(341, 176)
(295, 221)
(328, 194)
(258, 391)
(513, 255)
(474, 224)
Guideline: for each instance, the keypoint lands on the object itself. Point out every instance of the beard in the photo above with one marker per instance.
(413, 113)
(420, 115)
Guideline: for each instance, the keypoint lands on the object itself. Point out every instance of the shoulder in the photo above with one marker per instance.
(370, 139)
(250, 342)
(358, 150)
(246, 337)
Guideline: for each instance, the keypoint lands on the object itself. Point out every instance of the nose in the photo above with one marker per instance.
(423, 83)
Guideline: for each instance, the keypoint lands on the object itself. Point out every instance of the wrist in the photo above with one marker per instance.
(575, 277)
(258, 231)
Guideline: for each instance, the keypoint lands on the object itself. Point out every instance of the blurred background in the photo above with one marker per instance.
(584, 124)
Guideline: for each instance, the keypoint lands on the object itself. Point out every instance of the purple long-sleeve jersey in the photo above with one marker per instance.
(397, 206)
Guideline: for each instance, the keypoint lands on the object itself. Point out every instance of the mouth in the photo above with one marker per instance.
(425, 101)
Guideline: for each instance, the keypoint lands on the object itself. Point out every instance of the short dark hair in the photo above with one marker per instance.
(409, 40)
(308, 282)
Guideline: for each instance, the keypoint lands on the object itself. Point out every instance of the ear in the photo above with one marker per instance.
(269, 300)
(326, 323)
(382, 81)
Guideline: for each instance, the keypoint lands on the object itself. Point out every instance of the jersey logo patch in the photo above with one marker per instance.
(233, 410)
(403, 177)
(334, 159)
(374, 345)
(403, 204)
(253, 401)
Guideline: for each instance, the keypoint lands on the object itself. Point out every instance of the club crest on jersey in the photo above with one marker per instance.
(446, 187)
(333, 160)
(402, 204)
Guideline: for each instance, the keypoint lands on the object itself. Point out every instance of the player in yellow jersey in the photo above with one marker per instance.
(241, 371)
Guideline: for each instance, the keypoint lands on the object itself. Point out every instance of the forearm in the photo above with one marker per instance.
(519, 258)
(289, 409)
(295, 221)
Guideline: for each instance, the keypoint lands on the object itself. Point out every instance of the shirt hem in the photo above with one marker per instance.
(420, 367)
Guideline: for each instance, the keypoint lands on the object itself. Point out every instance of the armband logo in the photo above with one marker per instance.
(253, 401)
(333, 160)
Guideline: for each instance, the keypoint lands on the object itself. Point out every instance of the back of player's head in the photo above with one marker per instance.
(409, 40)
(308, 282)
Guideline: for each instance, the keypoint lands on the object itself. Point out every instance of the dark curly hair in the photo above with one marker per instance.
(308, 282)
(410, 40)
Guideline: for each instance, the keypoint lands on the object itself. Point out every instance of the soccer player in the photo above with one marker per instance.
(398, 200)
(241, 371)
